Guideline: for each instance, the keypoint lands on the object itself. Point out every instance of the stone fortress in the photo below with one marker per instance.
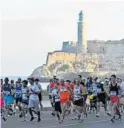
(97, 56)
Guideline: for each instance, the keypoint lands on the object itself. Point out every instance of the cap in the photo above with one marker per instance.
(31, 78)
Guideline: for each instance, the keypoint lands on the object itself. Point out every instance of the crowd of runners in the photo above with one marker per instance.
(79, 98)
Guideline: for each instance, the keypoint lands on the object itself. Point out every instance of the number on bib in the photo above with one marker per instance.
(113, 93)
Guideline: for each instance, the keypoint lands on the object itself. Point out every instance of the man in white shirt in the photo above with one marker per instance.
(40, 93)
(33, 99)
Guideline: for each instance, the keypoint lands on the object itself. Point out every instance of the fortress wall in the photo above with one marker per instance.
(60, 57)
(116, 49)
(110, 47)
(95, 47)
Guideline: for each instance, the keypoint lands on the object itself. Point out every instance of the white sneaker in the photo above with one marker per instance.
(81, 120)
(75, 118)
(97, 115)
(109, 113)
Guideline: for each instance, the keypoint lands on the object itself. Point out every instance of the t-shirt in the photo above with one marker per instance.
(24, 93)
(55, 94)
(33, 89)
(18, 91)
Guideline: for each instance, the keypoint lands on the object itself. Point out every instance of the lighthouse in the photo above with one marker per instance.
(81, 42)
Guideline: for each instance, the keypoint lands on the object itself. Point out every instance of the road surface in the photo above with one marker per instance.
(48, 121)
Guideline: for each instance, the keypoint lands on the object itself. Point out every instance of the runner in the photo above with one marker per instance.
(93, 97)
(13, 92)
(50, 87)
(55, 94)
(2, 106)
(64, 98)
(25, 91)
(18, 96)
(8, 99)
(101, 96)
(84, 94)
(78, 101)
(40, 94)
(70, 87)
(114, 98)
(33, 99)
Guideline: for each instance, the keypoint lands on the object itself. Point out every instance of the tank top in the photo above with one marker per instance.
(18, 91)
(6, 90)
(113, 90)
(77, 93)
(63, 93)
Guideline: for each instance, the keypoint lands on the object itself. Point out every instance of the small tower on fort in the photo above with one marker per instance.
(81, 43)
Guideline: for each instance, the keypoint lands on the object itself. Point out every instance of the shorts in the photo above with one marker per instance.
(114, 99)
(79, 102)
(33, 103)
(25, 102)
(18, 100)
(62, 101)
(40, 97)
(50, 97)
(8, 100)
(102, 99)
(58, 107)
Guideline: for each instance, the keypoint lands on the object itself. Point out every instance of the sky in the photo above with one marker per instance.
(29, 29)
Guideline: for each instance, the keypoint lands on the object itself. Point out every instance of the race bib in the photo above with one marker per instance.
(24, 96)
(76, 98)
(18, 93)
(7, 92)
(113, 93)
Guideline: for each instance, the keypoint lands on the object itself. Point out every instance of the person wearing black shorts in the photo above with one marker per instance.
(57, 106)
(101, 97)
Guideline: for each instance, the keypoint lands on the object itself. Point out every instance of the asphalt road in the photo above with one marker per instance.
(48, 121)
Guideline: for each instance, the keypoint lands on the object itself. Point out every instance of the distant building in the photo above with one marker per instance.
(69, 47)
(81, 43)
(109, 55)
